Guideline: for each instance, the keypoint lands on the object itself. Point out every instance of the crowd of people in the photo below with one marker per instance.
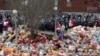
(71, 20)
(81, 39)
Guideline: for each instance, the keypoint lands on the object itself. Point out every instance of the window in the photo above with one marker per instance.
(6, 1)
(86, 2)
(68, 3)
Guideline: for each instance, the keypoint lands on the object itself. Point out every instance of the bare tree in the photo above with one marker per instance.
(33, 10)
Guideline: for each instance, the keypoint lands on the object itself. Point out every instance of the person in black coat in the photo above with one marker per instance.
(1, 24)
(1, 27)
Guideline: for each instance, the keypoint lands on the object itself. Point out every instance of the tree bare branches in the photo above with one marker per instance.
(34, 10)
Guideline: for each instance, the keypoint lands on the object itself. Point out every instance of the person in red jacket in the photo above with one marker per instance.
(73, 22)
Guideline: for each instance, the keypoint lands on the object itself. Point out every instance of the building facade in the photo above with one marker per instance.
(63, 5)
(79, 6)
(1, 4)
(5, 4)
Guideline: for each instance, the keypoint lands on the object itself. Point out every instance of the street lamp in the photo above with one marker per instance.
(55, 9)
(15, 22)
(14, 11)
